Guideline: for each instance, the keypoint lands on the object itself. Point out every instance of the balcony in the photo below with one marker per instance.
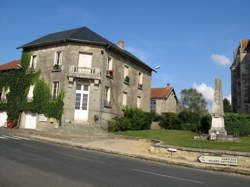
(84, 72)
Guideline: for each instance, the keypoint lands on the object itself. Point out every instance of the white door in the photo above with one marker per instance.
(81, 102)
(3, 118)
(30, 120)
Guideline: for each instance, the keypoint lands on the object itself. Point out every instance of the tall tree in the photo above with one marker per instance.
(227, 106)
(193, 101)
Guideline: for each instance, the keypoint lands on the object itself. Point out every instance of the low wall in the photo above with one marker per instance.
(192, 154)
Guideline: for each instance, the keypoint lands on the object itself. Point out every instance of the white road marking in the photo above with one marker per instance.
(12, 137)
(168, 176)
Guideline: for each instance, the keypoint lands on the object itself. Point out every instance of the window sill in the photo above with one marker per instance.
(125, 82)
(56, 70)
(109, 76)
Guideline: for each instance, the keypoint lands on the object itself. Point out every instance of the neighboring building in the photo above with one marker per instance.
(240, 78)
(99, 78)
(163, 99)
(13, 65)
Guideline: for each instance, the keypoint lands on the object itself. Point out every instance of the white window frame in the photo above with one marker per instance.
(107, 93)
(110, 63)
(126, 71)
(138, 101)
(151, 108)
(124, 99)
(55, 90)
(56, 60)
(31, 93)
(32, 62)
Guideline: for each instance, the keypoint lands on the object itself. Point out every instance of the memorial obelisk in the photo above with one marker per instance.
(218, 126)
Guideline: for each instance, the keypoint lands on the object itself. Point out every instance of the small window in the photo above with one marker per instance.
(110, 64)
(139, 81)
(33, 61)
(125, 71)
(107, 93)
(124, 99)
(30, 93)
(153, 105)
(58, 60)
(138, 102)
(55, 89)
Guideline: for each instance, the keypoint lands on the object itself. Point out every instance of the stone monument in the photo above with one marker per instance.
(218, 126)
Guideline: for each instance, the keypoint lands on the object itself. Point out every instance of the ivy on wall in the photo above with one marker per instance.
(18, 81)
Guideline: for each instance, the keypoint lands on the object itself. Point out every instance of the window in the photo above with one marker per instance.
(58, 58)
(124, 99)
(153, 105)
(139, 81)
(33, 61)
(30, 94)
(138, 102)
(55, 90)
(107, 101)
(109, 68)
(126, 75)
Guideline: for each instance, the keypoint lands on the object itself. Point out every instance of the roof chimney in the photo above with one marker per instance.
(168, 85)
(120, 43)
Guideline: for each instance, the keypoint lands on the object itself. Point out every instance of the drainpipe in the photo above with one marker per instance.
(101, 85)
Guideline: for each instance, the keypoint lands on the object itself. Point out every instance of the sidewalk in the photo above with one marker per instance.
(98, 140)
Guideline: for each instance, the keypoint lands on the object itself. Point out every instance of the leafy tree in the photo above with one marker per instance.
(193, 101)
(227, 106)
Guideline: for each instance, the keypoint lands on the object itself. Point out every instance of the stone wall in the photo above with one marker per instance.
(166, 105)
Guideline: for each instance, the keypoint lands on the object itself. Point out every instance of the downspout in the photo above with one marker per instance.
(101, 85)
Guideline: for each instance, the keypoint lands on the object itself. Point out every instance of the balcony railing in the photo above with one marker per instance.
(84, 72)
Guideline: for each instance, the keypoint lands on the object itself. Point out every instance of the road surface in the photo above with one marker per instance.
(25, 163)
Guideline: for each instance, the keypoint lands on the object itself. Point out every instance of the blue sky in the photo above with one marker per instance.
(186, 38)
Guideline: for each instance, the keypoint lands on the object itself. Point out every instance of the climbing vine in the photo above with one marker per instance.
(18, 82)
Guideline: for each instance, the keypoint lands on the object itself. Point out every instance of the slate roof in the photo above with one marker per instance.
(158, 93)
(82, 35)
(10, 65)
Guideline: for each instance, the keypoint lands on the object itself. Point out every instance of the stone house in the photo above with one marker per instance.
(240, 78)
(163, 99)
(99, 78)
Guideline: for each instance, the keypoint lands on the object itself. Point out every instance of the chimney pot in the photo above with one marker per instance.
(120, 43)
(168, 85)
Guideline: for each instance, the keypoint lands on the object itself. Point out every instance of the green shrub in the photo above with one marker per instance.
(190, 126)
(154, 116)
(237, 124)
(205, 123)
(187, 116)
(170, 120)
(132, 119)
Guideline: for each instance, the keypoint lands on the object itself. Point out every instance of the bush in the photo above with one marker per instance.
(205, 123)
(132, 119)
(190, 126)
(187, 116)
(237, 124)
(154, 116)
(170, 120)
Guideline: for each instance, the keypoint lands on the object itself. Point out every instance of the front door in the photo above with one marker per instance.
(30, 120)
(81, 102)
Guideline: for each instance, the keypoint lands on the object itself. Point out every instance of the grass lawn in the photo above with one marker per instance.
(185, 139)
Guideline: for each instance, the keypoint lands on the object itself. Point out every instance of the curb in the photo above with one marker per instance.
(137, 156)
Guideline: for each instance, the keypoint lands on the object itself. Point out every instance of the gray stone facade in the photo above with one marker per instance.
(98, 111)
(240, 78)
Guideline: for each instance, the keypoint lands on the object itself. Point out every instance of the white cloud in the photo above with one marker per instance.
(206, 91)
(220, 60)
(229, 98)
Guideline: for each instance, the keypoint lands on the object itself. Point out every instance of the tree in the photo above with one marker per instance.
(193, 101)
(227, 106)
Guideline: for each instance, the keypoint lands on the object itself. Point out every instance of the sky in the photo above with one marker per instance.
(191, 40)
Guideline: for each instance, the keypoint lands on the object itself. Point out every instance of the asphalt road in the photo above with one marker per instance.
(25, 163)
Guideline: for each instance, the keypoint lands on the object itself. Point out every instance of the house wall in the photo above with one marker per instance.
(240, 82)
(166, 105)
(45, 61)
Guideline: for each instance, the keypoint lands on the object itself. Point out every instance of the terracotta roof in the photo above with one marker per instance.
(161, 92)
(10, 65)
